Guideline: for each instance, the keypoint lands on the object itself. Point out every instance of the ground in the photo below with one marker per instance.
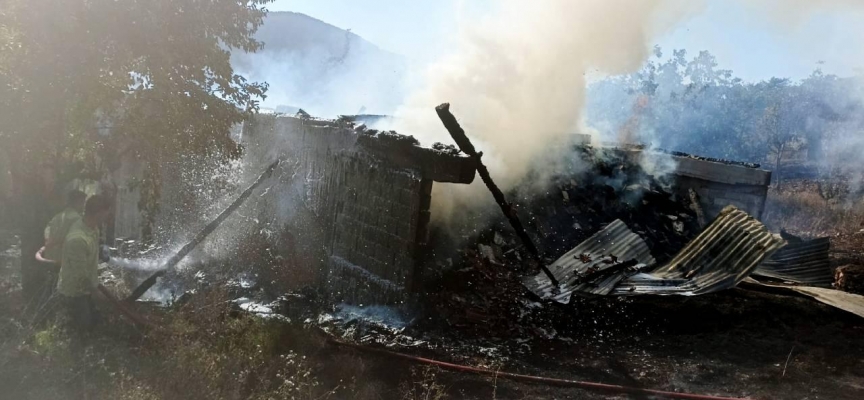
(735, 343)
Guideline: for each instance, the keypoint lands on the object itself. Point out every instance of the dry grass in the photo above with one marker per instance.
(424, 385)
(206, 349)
(799, 208)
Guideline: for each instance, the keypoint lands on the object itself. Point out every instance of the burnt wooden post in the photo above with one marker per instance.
(465, 145)
(149, 282)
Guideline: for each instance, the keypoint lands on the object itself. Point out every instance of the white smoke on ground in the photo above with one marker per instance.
(516, 79)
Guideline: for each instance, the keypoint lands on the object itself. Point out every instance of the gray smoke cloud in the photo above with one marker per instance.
(517, 77)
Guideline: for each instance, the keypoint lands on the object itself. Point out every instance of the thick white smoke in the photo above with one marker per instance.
(516, 79)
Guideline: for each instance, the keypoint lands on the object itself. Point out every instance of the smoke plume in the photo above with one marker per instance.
(516, 79)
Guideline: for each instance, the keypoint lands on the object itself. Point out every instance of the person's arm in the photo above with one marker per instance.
(40, 258)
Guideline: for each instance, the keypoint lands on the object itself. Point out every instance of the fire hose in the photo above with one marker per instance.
(600, 387)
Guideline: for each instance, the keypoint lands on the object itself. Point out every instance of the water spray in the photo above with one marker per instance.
(177, 257)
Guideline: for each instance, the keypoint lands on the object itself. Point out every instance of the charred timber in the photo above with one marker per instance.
(176, 258)
(458, 134)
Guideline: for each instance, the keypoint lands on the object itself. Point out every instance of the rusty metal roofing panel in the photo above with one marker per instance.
(596, 253)
(725, 253)
(853, 303)
(805, 262)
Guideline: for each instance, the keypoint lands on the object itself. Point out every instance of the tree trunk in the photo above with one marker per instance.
(777, 163)
(37, 202)
(34, 212)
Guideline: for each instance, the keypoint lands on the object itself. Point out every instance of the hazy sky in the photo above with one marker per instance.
(755, 45)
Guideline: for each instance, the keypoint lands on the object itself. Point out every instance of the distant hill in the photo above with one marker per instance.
(321, 68)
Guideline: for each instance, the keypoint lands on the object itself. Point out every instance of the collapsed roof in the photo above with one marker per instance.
(735, 246)
(725, 253)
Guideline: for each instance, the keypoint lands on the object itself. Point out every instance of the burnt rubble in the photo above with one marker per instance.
(479, 286)
(595, 187)
(719, 258)
(474, 289)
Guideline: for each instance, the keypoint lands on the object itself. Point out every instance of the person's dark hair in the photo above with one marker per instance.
(75, 197)
(95, 204)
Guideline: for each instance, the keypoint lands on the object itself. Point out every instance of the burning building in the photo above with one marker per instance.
(367, 196)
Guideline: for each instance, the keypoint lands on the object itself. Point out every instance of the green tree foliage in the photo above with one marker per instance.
(156, 71)
(694, 106)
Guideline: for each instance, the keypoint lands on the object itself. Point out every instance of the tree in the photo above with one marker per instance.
(158, 70)
(772, 132)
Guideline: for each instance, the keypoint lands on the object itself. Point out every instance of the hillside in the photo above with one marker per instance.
(321, 68)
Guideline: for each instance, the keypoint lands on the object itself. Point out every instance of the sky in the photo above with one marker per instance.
(755, 45)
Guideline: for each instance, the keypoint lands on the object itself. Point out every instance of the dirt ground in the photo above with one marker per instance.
(735, 343)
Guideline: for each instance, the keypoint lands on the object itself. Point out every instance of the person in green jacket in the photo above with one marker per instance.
(79, 262)
(55, 235)
(55, 232)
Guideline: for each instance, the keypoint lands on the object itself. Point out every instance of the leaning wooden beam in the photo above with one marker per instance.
(465, 145)
(149, 282)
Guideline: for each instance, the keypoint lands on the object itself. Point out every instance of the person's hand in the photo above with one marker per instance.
(43, 259)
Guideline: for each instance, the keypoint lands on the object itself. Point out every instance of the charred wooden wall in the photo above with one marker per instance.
(370, 197)
(717, 183)
(720, 184)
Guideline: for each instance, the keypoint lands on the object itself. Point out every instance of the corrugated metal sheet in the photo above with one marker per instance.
(853, 303)
(805, 262)
(725, 253)
(594, 254)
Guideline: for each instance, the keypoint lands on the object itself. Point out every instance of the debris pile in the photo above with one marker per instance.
(480, 286)
(592, 188)
(720, 257)
(850, 278)
(633, 234)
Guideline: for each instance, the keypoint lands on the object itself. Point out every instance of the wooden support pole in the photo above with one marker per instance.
(465, 145)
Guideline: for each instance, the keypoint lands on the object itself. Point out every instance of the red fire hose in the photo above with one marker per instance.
(602, 387)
